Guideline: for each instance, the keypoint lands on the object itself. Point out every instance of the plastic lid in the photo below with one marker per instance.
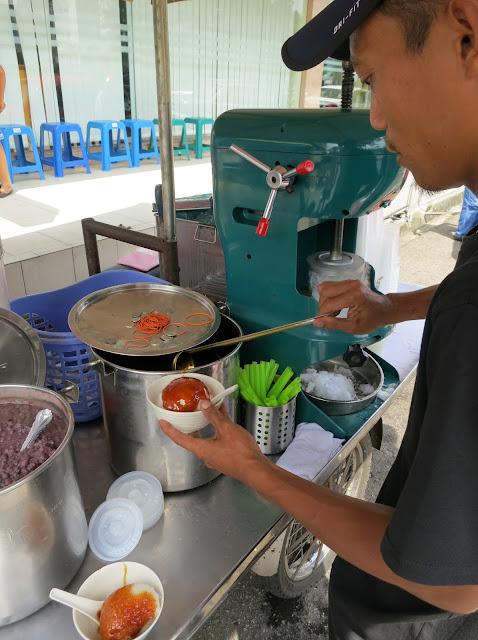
(144, 490)
(321, 262)
(115, 529)
(103, 318)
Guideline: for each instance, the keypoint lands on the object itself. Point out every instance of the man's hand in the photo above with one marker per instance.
(2, 105)
(367, 310)
(232, 450)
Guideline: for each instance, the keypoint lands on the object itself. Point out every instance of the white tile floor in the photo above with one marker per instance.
(40, 223)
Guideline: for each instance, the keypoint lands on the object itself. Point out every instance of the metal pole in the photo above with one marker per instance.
(336, 249)
(92, 228)
(161, 50)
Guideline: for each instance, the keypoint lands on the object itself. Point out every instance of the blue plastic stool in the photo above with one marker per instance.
(60, 131)
(137, 151)
(199, 123)
(109, 153)
(21, 164)
(183, 144)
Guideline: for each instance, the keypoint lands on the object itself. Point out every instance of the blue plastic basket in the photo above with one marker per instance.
(68, 358)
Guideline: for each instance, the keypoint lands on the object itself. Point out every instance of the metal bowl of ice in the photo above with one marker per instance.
(339, 389)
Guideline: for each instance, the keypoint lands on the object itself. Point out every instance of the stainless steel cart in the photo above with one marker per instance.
(208, 537)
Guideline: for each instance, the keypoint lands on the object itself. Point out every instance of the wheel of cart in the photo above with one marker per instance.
(303, 560)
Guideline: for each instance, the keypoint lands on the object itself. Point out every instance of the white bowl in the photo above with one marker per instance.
(185, 421)
(104, 582)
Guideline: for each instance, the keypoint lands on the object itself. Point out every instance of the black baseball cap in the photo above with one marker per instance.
(326, 35)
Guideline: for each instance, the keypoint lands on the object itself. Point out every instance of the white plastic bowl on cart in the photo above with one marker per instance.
(102, 583)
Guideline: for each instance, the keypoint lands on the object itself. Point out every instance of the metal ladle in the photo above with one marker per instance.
(187, 361)
(42, 418)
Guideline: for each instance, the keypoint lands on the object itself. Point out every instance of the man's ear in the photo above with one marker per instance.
(463, 15)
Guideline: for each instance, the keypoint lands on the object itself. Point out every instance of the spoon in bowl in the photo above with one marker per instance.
(223, 394)
(88, 607)
(92, 608)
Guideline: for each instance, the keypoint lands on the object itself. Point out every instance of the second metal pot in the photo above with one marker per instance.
(43, 530)
(135, 439)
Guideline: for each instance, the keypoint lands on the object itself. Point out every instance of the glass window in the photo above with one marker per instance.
(331, 92)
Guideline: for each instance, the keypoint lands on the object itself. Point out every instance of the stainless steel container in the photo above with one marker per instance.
(369, 373)
(135, 439)
(43, 529)
(273, 428)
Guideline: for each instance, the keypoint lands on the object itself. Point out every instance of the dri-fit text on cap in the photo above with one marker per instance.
(346, 17)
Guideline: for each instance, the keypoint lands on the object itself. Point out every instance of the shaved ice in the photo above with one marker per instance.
(338, 385)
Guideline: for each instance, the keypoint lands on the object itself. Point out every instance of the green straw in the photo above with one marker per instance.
(281, 382)
(273, 366)
(246, 389)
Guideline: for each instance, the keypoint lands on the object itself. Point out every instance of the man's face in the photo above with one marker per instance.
(418, 99)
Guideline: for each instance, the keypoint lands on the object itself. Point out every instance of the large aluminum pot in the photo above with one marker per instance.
(134, 438)
(43, 530)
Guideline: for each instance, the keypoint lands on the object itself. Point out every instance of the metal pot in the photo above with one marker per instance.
(135, 439)
(43, 529)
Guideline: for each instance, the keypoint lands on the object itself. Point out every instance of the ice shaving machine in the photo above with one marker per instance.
(291, 189)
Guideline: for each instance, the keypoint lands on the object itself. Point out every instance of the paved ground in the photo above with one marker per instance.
(427, 255)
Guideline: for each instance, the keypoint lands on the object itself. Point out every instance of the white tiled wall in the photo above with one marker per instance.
(39, 273)
(51, 271)
(15, 282)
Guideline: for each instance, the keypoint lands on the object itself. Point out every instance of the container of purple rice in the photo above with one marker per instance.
(43, 529)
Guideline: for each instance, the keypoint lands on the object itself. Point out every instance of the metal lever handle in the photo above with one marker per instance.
(277, 178)
(247, 156)
(264, 221)
(301, 169)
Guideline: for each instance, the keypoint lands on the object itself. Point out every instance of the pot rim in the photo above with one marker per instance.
(69, 433)
(155, 373)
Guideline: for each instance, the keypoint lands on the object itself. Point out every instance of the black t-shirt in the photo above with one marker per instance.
(433, 484)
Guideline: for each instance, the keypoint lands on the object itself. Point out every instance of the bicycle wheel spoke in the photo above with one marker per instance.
(303, 555)
(306, 558)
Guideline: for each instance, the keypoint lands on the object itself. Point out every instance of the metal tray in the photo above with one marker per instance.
(101, 319)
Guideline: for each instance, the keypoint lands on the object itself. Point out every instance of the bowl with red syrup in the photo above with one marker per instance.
(177, 397)
(133, 598)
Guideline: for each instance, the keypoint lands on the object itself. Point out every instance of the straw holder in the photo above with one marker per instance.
(272, 427)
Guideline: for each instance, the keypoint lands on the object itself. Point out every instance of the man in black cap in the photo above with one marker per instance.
(407, 566)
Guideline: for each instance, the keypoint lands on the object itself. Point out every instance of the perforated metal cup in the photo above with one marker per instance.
(272, 427)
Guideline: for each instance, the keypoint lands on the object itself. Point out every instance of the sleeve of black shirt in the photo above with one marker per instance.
(433, 536)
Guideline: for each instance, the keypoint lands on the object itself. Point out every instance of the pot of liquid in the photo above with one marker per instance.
(135, 440)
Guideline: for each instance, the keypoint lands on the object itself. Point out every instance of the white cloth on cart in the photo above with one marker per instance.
(309, 451)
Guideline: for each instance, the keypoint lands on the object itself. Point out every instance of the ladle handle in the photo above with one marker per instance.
(85, 605)
(253, 336)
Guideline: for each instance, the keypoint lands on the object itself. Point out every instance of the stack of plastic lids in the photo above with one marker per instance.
(133, 504)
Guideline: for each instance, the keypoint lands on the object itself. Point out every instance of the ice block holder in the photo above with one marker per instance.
(272, 428)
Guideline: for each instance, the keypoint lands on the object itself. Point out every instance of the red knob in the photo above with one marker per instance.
(305, 167)
(262, 227)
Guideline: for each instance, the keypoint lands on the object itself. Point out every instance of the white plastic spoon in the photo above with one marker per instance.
(223, 394)
(90, 608)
